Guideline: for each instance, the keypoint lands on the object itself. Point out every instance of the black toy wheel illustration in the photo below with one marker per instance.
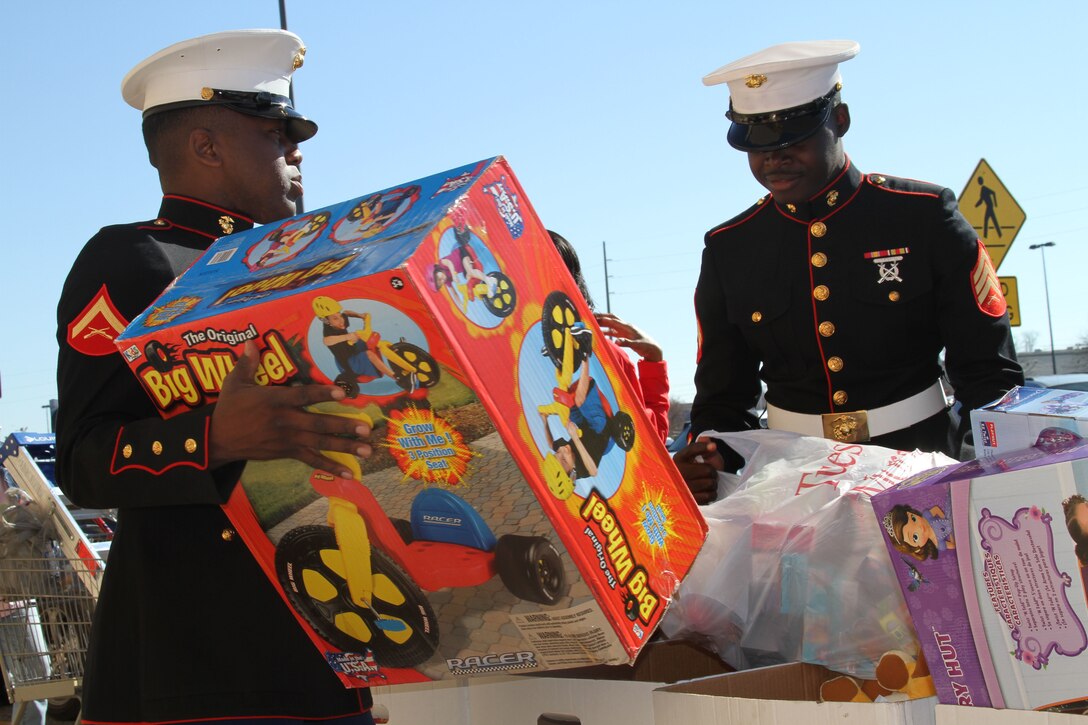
(159, 356)
(348, 384)
(423, 371)
(502, 303)
(531, 568)
(623, 430)
(559, 315)
(399, 627)
(630, 607)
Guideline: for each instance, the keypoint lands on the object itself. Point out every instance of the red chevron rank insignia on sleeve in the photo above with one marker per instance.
(94, 329)
(987, 289)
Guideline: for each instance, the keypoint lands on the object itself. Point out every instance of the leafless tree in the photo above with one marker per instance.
(1027, 341)
(678, 415)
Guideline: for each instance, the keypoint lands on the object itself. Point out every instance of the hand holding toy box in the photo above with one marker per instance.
(517, 513)
(992, 558)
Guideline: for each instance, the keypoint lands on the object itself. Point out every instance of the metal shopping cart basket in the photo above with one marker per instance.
(45, 622)
(52, 558)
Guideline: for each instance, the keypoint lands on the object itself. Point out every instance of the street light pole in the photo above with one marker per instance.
(1046, 291)
(607, 294)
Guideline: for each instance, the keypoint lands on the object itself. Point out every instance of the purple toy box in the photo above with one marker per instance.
(1015, 420)
(992, 557)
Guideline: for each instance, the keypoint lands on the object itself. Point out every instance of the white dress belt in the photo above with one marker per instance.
(861, 425)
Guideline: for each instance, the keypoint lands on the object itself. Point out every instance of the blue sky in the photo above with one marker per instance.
(599, 108)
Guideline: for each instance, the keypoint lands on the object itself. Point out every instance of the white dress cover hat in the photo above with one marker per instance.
(248, 71)
(782, 94)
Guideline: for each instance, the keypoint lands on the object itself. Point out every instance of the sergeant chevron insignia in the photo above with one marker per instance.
(986, 285)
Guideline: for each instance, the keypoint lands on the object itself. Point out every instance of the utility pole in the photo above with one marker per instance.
(299, 205)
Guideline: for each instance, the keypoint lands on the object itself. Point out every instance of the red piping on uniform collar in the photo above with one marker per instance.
(821, 192)
(190, 229)
(191, 200)
(759, 207)
(781, 208)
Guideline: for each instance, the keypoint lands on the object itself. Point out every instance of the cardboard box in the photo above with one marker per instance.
(662, 661)
(956, 715)
(519, 701)
(778, 694)
(443, 310)
(991, 574)
(1015, 421)
(599, 695)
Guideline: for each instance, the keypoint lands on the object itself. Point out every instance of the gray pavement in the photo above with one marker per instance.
(6, 712)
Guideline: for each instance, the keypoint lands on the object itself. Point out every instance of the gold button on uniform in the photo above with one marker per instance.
(190, 445)
(757, 316)
(227, 534)
(827, 329)
(819, 259)
(821, 292)
(127, 451)
(818, 229)
(156, 448)
(840, 397)
(893, 296)
(834, 364)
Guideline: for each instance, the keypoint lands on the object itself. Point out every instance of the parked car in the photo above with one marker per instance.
(1067, 381)
(680, 440)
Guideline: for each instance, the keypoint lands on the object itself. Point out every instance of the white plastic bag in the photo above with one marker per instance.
(794, 568)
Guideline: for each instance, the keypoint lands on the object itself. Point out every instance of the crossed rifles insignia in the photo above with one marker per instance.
(93, 330)
(887, 261)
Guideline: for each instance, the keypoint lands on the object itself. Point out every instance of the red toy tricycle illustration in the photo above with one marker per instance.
(359, 581)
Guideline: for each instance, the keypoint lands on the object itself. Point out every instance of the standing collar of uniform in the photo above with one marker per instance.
(200, 217)
(830, 199)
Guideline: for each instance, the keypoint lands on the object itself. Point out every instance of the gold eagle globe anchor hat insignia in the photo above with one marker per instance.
(782, 94)
(248, 71)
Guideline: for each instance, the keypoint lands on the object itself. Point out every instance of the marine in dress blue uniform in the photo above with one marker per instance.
(839, 288)
(187, 626)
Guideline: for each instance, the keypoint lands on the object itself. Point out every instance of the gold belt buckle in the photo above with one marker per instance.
(852, 427)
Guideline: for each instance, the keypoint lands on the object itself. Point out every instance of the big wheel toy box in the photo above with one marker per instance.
(1015, 420)
(518, 512)
(992, 558)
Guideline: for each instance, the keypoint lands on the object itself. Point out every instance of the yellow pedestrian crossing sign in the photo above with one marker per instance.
(992, 211)
(1012, 299)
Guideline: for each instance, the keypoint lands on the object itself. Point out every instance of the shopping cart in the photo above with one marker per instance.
(50, 569)
(45, 622)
